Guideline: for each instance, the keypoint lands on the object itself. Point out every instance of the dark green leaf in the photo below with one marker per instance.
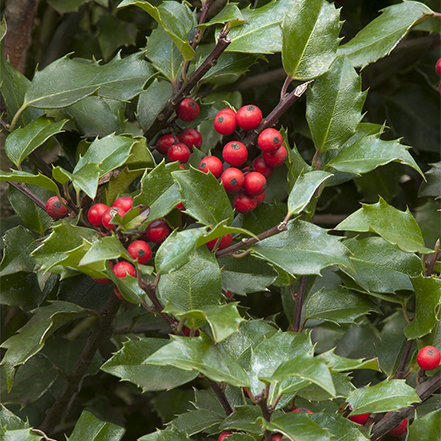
(13, 428)
(343, 364)
(196, 421)
(39, 180)
(91, 428)
(433, 184)
(310, 38)
(129, 365)
(107, 248)
(341, 428)
(165, 435)
(63, 6)
(427, 427)
(230, 14)
(395, 226)
(244, 418)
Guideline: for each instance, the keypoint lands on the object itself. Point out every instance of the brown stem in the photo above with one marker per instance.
(299, 298)
(425, 390)
(220, 393)
(271, 120)
(61, 405)
(432, 262)
(401, 371)
(284, 90)
(28, 193)
(266, 414)
(176, 99)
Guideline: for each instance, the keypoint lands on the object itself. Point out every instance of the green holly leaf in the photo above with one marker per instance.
(230, 14)
(129, 365)
(373, 43)
(196, 421)
(175, 18)
(194, 285)
(433, 181)
(304, 189)
(298, 427)
(31, 338)
(104, 249)
(342, 364)
(390, 273)
(334, 106)
(201, 355)
(395, 226)
(22, 142)
(23, 177)
(310, 32)
(341, 428)
(67, 81)
(369, 152)
(13, 428)
(93, 429)
(244, 418)
(387, 396)
(428, 301)
(164, 435)
(426, 427)
(203, 196)
(303, 248)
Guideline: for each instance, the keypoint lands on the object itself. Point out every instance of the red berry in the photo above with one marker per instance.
(235, 153)
(213, 165)
(180, 206)
(232, 179)
(191, 138)
(254, 183)
(276, 159)
(157, 231)
(244, 203)
(360, 419)
(302, 410)
(277, 437)
(438, 67)
(249, 117)
(225, 122)
(224, 435)
(260, 166)
(125, 203)
(260, 198)
(188, 110)
(429, 358)
(140, 251)
(401, 429)
(124, 269)
(165, 142)
(179, 152)
(108, 216)
(56, 207)
(225, 242)
(270, 140)
(95, 214)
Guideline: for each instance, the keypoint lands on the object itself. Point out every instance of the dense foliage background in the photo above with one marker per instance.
(373, 296)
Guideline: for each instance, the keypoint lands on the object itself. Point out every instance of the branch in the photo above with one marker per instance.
(175, 100)
(28, 193)
(19, 16)
(271, 120)
(299, 298)
(61, 405)
(390, 420)
(217, 389)
(432, 262)
(404, 359)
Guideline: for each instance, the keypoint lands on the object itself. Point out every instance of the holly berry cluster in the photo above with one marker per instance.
(243, 178)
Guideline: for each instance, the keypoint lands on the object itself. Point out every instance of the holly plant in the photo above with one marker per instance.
(221, 220)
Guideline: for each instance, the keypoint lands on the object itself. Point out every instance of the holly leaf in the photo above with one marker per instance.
(23, 177)
(304, 189)
(201, 355)
(303, 248)
(428, 301)
(373, 43)
(395, 226)
(203, 196)
(244, 418)
(129, 365)
(433, 182)
(104, 249)
(230, 14)
(341, 428)
(13, 428)
(428, 426)
(165, 435)
(310, 32)
(342, 364)
(334, 106)
(23, 141)
(195, 421)
(91, 428)
(387, 396)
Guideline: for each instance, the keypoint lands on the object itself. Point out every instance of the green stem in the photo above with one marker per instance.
(14, 121)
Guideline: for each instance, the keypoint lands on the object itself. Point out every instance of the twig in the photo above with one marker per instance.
(176, 99)
(404, 359)
(217, 389)
(390, 420)
(432, 262)
(271, 120)
(284, 90)
(61, 405)
(263, 403)
(299, 298)
(28, 193)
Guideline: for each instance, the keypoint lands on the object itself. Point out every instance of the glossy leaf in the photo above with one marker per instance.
(196, 421)
(175, 18)
(13, 428)
(129, 365)
(342, 364)
(23, 177)
(304, 190)
(387, 396)
(373, 43)
(390, 273)
(432, 186)
(310, 38)
(341, 428)
(107, 248)
(303, 249)
(395, 226)
(334, 106)
(93, 429)
(230, 14)
(194, 285)
(165, 435)
(199, 354)
(66, 81)
(428, 301)
(428, 426)
(244, 418)
(210, 205)
(22, 142)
